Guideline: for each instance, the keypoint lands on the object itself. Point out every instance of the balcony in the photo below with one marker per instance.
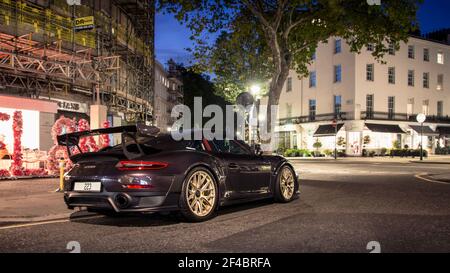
(402, 117)
(305, 119)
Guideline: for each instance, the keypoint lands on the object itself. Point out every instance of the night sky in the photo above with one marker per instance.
(171, 38)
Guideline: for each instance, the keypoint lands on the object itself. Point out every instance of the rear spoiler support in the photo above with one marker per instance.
(131, 131)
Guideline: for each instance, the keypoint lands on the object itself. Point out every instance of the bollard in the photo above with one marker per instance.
(61, 175)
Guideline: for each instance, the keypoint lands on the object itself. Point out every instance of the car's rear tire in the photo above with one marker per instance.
(199, 195)
(286, 185)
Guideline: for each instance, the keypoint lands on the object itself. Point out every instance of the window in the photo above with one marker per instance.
(337, 105)
(288, 110)
(411, 53)
(369, 106)
(440, 108)
(312, 79)
(314, 56)
(337, 73)
(391, 75)
(289, 84)
(391, 107)
(391, 49)
(426, 54)
(440, 58)
(312, 110)
(440, 82)
(369, 72)
(337, 46)
(410, 77)
(410, 107)
(425, 107)
(229, 146)
(370, 47)
(426, 80)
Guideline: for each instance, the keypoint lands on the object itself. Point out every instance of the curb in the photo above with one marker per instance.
(428, 162)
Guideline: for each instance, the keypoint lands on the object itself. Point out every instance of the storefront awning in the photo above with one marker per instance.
(384, 128)
(327, 130)
(427, 131)
(443, 130)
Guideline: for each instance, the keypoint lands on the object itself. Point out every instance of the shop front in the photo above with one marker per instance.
(25, 126)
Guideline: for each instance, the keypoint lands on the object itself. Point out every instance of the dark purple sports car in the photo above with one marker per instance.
(151, 172)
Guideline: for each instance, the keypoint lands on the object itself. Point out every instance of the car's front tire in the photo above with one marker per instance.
(199, 195)
(286, 185)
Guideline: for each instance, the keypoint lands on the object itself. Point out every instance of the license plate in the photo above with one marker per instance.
(87, 186)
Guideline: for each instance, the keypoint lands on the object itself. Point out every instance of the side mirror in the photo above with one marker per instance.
(257, 149)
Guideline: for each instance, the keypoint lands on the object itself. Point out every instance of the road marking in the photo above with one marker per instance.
(419, 176)
(48, 222)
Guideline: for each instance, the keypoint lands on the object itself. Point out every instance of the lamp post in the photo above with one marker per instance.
(421, 119)
(335, 138)
(255, 91)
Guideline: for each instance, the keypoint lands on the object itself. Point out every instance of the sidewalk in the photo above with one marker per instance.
(432, 159)
(31, 200)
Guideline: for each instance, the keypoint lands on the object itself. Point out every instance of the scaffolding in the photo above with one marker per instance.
(42, 55)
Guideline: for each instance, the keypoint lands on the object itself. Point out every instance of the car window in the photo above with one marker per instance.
(228, 146)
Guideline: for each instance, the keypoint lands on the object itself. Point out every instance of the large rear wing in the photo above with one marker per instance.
(129, 131)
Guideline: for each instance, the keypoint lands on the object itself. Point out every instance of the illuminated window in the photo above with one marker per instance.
(440, 82)
(440, 58)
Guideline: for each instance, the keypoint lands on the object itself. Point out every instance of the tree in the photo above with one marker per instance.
(199, 85)
(287, 32)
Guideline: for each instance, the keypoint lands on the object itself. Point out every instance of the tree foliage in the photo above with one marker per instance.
(263, 39)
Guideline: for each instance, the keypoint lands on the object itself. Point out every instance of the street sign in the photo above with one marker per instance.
(421, 118)
(84, 23)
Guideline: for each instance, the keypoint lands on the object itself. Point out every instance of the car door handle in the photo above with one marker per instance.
(233, 166)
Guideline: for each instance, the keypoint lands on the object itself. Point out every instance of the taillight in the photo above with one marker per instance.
(137, 187)
(135, 165)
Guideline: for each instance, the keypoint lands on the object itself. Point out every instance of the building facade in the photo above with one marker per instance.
(373, 104)
(93, 61)
(168, 93)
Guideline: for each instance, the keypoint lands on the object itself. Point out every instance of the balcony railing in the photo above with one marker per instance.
(306, 119)
(402, 117)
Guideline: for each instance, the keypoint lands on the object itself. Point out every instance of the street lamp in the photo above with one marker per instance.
(255, 90)
(421, 119)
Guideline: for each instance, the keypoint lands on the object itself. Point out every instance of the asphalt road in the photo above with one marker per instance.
(343, 206)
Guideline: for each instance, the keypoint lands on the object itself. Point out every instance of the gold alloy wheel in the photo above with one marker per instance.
(200, 193)
(287, 183)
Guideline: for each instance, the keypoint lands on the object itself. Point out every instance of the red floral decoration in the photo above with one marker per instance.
(57, 151)
(87, 144)
(4, 173)
(4, 117)
(104, 139)
(16, 165)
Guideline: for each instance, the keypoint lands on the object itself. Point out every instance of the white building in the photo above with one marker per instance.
(371, 100)
(168, 93)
